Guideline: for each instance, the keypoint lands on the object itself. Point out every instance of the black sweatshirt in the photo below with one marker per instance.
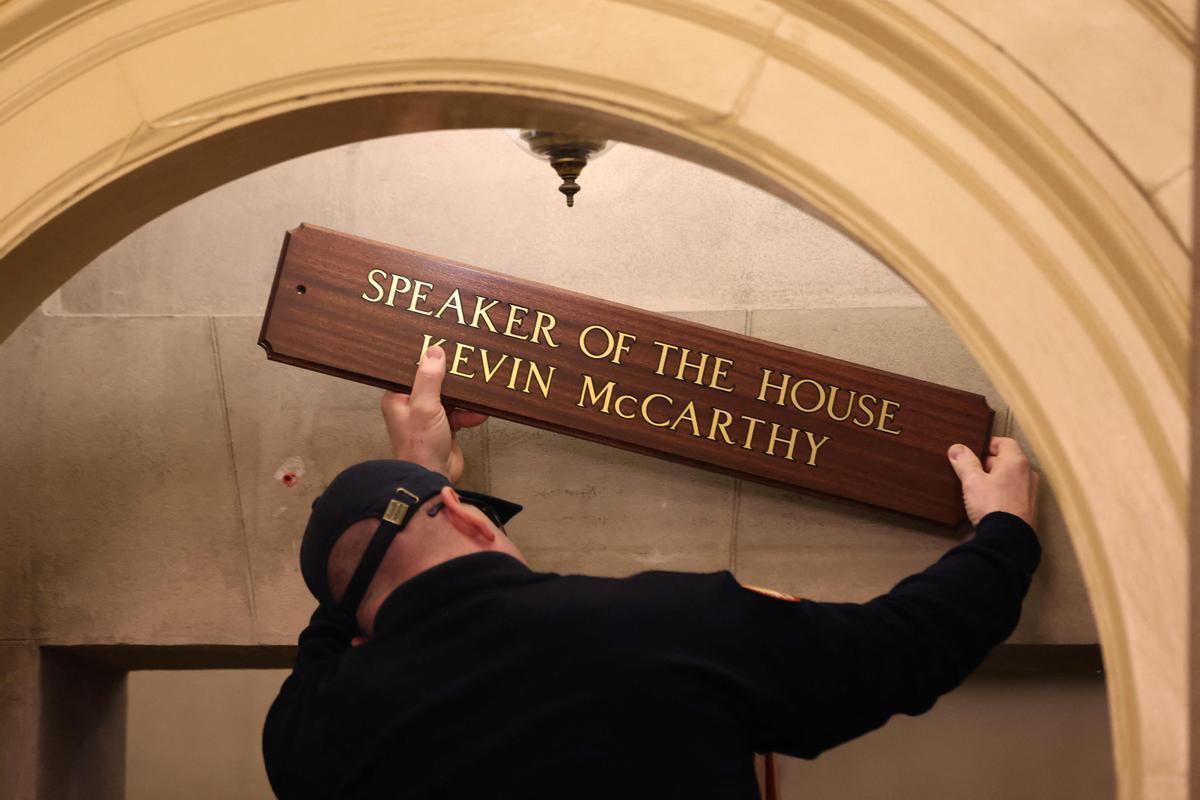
(486, 680)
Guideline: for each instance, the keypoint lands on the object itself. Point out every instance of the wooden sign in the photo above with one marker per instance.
(610, 373)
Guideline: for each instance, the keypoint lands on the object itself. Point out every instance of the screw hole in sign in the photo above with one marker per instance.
(301, 289)
(290, 479)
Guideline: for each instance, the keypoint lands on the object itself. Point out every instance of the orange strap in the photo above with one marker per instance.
(770, 782)
(771, 593)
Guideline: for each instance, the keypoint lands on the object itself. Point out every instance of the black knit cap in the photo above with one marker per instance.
(388, 489)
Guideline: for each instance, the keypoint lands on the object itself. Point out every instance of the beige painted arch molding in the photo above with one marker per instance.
(892, 120)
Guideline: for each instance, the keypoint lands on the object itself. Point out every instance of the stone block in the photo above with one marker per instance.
(649, 230)
(1057, 609)
(19, 711)
(124, 488)
(18, 517)
(595, 509)
(81, 741)
(588, 506)
(216, 253)
(293, 431)
(1175, 200)
(1056, 728)
(1112, 66)
(218, 753)
(827, 549)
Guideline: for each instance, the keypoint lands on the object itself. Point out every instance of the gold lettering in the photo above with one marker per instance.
(514, 322)
(885, 415)
(391, 301)
(662, 358)
(624, 340)
(688, 413)
(775, 439)
(378, 288)
(754, 423)
(766, 384)
(489, 371)
(646, 407)
(813, 447)
(481, 313)
(616, 346)
(862, 405)
(720, 368)
(685, 365)
(583, 335)
(459, 358)
(426, 343)
(717, 424)
(833, 390)
(617, 406)
(820, 394)
(533, 372)
(418, 296)
(720, 372)
(541, 328)
(589, 388)
(453, 301)
(512, 379)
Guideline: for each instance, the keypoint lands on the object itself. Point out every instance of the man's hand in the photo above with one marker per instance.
(418, 425)
(1004, 483)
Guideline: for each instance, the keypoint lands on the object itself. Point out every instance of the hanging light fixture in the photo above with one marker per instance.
(568, 154)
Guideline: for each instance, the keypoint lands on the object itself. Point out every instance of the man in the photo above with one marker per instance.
(439, 665)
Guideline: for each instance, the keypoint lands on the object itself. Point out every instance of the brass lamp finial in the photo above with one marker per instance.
(567, 153)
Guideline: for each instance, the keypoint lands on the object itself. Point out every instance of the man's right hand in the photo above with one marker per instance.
(420, 428)
(1004, 483)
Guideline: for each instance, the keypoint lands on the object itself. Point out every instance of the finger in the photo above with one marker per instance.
(427, 384)
(966, 464)
(994, 445)
(989, 463)
(461, 418)
(1007, 447)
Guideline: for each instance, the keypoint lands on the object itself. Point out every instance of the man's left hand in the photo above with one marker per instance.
(420, 428)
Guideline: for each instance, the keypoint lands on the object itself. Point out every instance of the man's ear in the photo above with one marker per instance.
(469, 521)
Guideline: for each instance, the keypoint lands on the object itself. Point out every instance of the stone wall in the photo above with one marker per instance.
(147, 435)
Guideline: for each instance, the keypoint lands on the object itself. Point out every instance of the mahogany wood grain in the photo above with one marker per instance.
(320, 316)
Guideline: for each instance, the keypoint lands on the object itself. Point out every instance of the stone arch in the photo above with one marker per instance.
(891, 120)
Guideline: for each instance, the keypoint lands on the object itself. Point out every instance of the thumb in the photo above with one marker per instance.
(965, 463)
(427, 384)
